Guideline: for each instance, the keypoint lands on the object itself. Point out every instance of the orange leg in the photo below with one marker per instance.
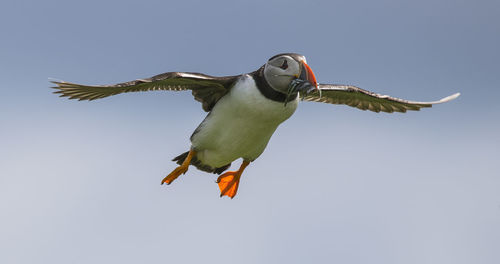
(229, 181)
(182, 169)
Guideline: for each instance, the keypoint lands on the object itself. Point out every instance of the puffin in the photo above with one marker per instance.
(244, 110)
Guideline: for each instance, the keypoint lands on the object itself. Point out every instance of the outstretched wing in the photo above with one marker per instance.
(206, 89)
(366, 100)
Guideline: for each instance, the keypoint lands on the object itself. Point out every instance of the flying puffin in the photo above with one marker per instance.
(244, 110)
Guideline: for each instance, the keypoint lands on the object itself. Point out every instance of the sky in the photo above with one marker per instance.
(80, 181)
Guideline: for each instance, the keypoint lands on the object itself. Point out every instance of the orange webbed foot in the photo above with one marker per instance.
(229, 181)
(174, 174)
(182, 169)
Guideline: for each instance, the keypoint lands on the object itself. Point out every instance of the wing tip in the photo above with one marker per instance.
(57, 82)
(449, 98)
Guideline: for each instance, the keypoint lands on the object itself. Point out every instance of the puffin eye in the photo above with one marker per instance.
(284, 66)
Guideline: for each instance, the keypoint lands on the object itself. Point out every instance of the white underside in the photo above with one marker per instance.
(240, 125)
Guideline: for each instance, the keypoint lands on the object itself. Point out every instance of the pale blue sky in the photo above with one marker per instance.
(80, 181)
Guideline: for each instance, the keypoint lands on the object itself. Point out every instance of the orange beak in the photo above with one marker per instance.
(307, 74)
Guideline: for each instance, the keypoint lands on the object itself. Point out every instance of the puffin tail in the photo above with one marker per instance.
(180, 159)
(199, 165)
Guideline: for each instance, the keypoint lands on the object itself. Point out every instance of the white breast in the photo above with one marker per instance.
(240, 125)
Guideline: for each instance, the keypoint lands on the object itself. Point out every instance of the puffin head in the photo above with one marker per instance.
(284, 69)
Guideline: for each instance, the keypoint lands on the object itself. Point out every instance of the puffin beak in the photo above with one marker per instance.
(307, 74)
(304, 83)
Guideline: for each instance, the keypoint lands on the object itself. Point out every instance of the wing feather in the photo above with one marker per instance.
(366, 100)
(206, 89)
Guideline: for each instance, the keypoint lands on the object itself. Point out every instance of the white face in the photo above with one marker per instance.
(281, 70)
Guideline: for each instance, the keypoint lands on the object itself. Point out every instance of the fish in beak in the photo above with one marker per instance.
(305, 82)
